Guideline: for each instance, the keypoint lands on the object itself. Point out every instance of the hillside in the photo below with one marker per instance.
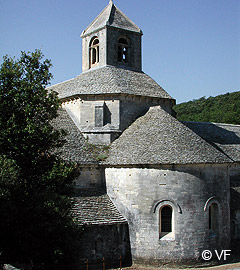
(220, 109)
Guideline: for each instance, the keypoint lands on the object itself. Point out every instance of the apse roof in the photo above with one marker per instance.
(159, 138)
(113, 17)
(156, 138)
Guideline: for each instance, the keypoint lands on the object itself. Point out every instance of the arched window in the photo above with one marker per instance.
(94, 52)
(123, 50)
(213, 217)
(165, 220)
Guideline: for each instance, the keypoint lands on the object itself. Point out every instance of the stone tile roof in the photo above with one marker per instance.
(95, 208)
(113, 17)
(159, 138)
(76, 148)
(110, 80)
(9, 267)
(223, 137)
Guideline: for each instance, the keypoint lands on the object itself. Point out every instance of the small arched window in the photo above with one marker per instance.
(123, 50)
(165, 220)
(94, 52)
(213, 217)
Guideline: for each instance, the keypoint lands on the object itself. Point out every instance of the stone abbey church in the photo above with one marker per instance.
(151, 189)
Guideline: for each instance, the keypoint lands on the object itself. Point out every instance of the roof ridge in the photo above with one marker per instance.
(112, 5)
(225, 124)
(128, 19)
(215, 123)
(99, 15)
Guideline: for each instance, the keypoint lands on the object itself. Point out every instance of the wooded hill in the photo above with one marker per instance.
(220, 109)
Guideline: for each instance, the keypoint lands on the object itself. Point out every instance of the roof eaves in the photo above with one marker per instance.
(92, 32)
(50, 87)
(147, 165)
(127, 30)
(90, 224)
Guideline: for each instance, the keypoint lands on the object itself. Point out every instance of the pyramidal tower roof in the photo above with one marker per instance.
(113, 17)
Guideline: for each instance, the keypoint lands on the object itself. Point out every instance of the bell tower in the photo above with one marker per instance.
(112, 91)
(112, 39)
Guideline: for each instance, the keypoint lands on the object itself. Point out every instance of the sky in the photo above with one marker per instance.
(190, 47)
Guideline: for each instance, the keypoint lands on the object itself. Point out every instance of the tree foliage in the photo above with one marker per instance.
(36, 226)
(219, 109)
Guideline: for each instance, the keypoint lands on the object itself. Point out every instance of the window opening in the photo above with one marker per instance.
(102, 114)
(166, 219)
(99, 115)
(122, 50)
(213, 217)
(94, 52)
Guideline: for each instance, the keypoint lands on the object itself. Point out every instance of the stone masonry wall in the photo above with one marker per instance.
(97, 117)
(82, 111)
(102, 49)
(138, 193)
(108, 242)
(134, 39)
(115, 112)
(133, 107)
(108, 50)
(234, 171)
(90, 177)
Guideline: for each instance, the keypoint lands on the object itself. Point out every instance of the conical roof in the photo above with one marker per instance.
(159, 138)
(113, 17)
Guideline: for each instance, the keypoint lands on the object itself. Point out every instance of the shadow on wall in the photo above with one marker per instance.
(235, 216)
(104, 247)
(226, 138)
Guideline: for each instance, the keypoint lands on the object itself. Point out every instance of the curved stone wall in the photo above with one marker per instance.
(189, 190)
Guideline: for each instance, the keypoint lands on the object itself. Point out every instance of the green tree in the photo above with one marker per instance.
(36, 226)
(219, 109)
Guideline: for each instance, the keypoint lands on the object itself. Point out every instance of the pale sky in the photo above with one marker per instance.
(190, 47)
